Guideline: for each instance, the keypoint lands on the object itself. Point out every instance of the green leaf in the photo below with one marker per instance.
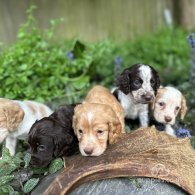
(39, 170)
(56, 165)
(6, 168)
(78, 49)
(6, 179)
(7, 189)
(81, 82)
(27, 159)
(30, 185)
(5, 153)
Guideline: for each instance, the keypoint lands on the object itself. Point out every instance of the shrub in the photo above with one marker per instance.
(35, 67)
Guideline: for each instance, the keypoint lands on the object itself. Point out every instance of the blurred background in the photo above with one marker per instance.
(94, 20)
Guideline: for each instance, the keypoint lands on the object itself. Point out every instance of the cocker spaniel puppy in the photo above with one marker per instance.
(168, 103)
(53, 137)
(137, 87)
(16, 119)
(98, 121)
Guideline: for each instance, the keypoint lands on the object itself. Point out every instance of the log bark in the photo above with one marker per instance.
(145, 152)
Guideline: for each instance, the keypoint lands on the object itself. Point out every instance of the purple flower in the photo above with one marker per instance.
(118, 60)
(70, 55)
(182, 133)
(191, 40)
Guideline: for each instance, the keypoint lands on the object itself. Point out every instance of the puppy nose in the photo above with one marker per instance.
(148, 97)
(168, 119)
(88, 151)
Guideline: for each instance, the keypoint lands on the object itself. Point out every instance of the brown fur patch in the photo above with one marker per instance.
(42, 110)
(12, 112)
(31, 106)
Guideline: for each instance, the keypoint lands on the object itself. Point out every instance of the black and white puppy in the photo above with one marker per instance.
(136, 88)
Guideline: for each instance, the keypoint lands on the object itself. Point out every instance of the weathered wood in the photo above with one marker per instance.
(88, 20)
(143, 153)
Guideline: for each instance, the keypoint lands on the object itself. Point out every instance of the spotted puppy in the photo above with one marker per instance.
(52, 137)
(137, 87)
(169, 102)
(16, 119)
(97, 121)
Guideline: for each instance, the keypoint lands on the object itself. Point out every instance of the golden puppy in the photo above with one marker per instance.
(98, 121)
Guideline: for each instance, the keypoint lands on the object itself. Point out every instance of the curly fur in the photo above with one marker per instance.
(53, 137)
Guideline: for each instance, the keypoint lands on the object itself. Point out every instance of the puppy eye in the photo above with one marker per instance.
(80, 131)
(177, 108)
(41, 148)
(137, 82)
(152, 82)
(161, 104)
(100, 132)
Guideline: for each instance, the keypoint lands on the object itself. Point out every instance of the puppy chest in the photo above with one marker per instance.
(131, 110)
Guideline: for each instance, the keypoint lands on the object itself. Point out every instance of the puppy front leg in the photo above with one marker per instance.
(143, 118)
(10, 143)
(169, 130)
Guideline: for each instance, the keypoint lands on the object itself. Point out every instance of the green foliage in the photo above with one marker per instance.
(166, 50)
(30, 184)
(27, 159)
(56, 165)
(16, 169)
(35, 67)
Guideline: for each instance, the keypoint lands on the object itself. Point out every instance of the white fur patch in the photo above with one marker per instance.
(90, 116)
(146, 88)
(3, 134)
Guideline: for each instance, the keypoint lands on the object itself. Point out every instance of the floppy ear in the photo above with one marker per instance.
(152, 105)
(123, 81)
(74, 118)
(157, 80)
(159, 94)
(74, 122)
(115, 129)
(14, 115)
(63, 142)
(183, 107)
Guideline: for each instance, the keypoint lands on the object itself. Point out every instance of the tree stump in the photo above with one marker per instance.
(145, 152)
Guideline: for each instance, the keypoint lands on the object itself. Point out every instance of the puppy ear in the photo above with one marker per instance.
(123, 81)
(63, 142)
(14, 115)
(152, 105)
(183, 107)
(74, 118)
(157, 80)
(115, 129)
(74, 122)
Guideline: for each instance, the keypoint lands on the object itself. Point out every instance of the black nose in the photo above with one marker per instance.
(168, 119)
(148, 97)
(88, 151)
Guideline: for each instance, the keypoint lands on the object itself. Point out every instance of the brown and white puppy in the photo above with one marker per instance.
(98, 121)
(169, 102)
(16, 119)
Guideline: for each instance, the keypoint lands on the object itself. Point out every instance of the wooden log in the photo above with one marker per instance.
(145, 152)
